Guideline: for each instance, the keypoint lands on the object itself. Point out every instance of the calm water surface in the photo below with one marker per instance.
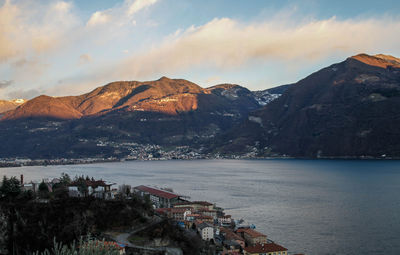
(309, 206)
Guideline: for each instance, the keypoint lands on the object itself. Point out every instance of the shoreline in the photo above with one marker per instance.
(7, 163)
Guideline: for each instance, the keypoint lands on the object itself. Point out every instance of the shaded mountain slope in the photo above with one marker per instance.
(349, 109)
(168, 112)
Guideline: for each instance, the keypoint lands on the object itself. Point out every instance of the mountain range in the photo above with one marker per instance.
(349, 109)
(167, 112)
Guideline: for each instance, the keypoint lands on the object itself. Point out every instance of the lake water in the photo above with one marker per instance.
(309, 206)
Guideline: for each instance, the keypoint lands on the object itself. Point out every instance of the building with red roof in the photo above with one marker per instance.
(230, 235)
(160, 198)
(196, 205)
(251, 236)
(265, 249)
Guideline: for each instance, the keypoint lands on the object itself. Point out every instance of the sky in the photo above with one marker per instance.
(60, 48)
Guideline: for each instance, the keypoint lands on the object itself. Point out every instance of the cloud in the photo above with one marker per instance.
(8, 21)
(137, 5)
(120, 14)
(228, 44)
(28, 69)
(99, 18)
(5, 84)
(30, 28)
(212, 79)
(25, 94)
(84, 59)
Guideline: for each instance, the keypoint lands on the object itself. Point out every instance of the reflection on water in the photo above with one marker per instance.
(314, 207)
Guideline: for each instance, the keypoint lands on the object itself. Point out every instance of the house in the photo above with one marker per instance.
(225, 220)
(73, 191)
(32, 186)
(99, 189)
(208, 212)
(205, 218)
(228, 234)
(192, 217)
(252, 237)
(196, 205)
(160, 198)
(265, 249)
(231, 247)
(203, 204)
(179, 214)
(206, 231)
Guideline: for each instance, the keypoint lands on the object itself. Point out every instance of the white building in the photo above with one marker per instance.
(206, 231)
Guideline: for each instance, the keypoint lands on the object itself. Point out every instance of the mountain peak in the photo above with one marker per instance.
(224, 86)
(164, 78)
(388, 58)
(10, 105)
(379, 60)
(18, 101)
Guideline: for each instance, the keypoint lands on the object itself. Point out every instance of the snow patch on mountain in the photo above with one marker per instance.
(263, 97)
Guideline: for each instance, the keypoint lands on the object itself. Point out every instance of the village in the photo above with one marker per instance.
(133, 151)
(210, 222)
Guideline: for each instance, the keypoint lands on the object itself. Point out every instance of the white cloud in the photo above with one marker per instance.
(99, 18)
(120, 14)
(28, 31)
(227, 44)
(9, 24)
(137, 5)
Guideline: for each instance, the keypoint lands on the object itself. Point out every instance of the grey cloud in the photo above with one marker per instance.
(20, 63)
(5, 84)
(25, 94)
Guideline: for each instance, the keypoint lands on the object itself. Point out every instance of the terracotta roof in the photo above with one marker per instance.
(197, 222)
(267, 247)
(157, 192)
(180, 209)
(193, 215)
(250, 232)
(229, 234)
(188, 203)
(162, 210)
(206, 217)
